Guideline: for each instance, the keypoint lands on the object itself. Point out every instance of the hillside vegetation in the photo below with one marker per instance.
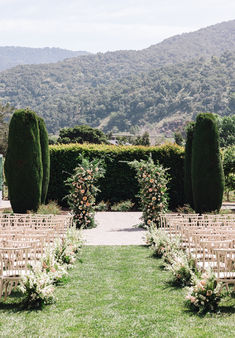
(11, 56)
(160, 85)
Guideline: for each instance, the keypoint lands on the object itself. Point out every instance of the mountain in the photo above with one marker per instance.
(13, 56)
(116, 90)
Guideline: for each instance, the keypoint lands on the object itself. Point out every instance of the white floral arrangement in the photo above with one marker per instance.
(37, 287)
(49, 264)
(181, 267)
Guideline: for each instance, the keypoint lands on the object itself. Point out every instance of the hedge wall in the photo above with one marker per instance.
(119, 182)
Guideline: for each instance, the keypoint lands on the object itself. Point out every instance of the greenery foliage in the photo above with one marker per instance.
(82, 194)
(119, 175)
(5, 111)
(226, 127)
(23, 164)
(51, 208)
(152, 179)
(102, 206)
(229, 169)
(81, 134)
(207, 170)
(122, 206)
(45, 158)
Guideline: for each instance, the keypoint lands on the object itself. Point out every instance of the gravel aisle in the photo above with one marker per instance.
(115, 228)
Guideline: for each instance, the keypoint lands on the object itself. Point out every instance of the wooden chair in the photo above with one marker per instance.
(226, 258)
(14, 262)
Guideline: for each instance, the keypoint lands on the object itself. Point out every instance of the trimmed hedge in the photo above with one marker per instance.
(207, 169)
(119, 183)
(45, 158)
(23, 164)
(188, 190)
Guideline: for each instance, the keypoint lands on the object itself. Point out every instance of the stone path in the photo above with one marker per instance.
(115, 228)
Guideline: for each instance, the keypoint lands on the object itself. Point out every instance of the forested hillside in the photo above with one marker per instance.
(13, 56)
(159, 85)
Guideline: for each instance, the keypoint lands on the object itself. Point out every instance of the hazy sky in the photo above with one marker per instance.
(102, 25)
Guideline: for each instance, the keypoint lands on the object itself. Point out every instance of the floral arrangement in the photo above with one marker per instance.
(37, 285)
(51, 266)
(182, 268)
(83, 191)
(64, 253)
(157, 240)
(152, 179)
(175, 259)
(161, 244)
(74, 239)
(205, 295)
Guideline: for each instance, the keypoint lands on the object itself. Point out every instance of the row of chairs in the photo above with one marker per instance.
(208, 239)
(23, 244)
(8, 221)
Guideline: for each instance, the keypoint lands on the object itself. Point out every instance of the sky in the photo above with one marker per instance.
(105, 25)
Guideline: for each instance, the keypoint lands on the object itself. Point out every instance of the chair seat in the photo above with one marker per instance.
(226, 276)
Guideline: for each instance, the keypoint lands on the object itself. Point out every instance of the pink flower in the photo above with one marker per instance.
(192, 299)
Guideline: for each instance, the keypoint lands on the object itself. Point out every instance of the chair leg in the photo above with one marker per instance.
(10, 287)
(6, 287)
(1, 288)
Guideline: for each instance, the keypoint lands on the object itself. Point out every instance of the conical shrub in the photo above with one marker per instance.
(45, 158)
(23, 164)
(207, 170)
(188, 192)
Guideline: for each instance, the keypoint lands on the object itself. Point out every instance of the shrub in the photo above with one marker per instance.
(207, 171)
(23, 164)
(122, 206)
(205, 295)
(82, 134)
(229, 169)
(152, 181)
(45, 158)
(119, 175)
(52, 208)
(102, 206)
(83, 191)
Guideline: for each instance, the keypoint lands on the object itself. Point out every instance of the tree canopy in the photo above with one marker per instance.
(81, 134)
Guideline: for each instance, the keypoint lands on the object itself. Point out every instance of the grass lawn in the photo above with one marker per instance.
(116, 292)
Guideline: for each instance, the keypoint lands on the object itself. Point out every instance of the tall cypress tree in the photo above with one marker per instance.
(207, 170)
(45, 158)
(188, 192)
(23, 164)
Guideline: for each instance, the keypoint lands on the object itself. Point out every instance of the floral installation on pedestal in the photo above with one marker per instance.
(152, 179)
(83, 191)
